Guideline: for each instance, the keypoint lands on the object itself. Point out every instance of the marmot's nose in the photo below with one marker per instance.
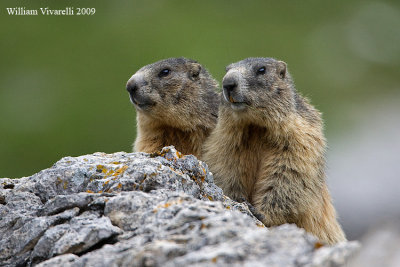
(132, 86)
(229, 84)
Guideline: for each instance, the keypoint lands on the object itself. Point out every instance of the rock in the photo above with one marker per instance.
(138, 209)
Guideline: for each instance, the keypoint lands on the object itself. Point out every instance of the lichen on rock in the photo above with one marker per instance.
(138, 209)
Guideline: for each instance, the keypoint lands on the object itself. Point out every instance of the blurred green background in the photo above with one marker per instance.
(62, 78)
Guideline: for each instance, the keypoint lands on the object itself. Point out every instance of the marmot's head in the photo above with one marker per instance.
(175, 90)
(258, 88)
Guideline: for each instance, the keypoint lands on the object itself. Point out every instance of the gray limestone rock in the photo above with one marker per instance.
(138, 209)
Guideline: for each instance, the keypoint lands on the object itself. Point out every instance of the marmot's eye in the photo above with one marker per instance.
(261, 70)
(164, 73)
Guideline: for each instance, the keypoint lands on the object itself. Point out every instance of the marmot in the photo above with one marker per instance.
(176, 103)
(268, 149)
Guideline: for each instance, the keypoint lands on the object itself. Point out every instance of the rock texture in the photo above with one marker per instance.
(137, 209)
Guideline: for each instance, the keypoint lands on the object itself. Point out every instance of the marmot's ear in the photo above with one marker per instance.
(194, 72)
(281, 69)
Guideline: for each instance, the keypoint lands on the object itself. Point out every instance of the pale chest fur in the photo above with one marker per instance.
(241, 154)
(250, 159)
(187, 142)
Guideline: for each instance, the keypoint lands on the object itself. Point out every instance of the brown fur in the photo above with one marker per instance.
(268, 149)
(178, 109)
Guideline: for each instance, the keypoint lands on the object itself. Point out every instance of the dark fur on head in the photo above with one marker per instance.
(176, 103)
(178, 92)
(261, 90)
